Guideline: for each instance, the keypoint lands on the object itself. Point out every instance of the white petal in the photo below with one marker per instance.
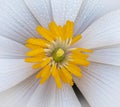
(91, 10)
(104, 32)
(19, 95)
(109, 55)
(41, 9)
(100, 85)
(54, 97)
(65, 10)
(30, 93)
(16, 21)
(13, 71)
(11, 49)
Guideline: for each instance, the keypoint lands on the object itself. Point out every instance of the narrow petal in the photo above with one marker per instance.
(100, 85)
(64, 10)
(109, 55)
(104, 32)
(41, 9)
(91, 10)
(16, 21)
(13, 71)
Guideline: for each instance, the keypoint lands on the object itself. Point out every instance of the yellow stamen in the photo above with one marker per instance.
(75, 39)
(67, 75)
(45, 33)
(54, 28)
(56, 76)
(31, 46)
(44, 63)
(79, 55)
(69, 29)
(62, 76)
(38, 42)
(44, 70)
(35, 52)
(39, 59)
(45, 77)
(74, 69)
(81, 62)
(83, 50)
(61, 31)
(53, 54)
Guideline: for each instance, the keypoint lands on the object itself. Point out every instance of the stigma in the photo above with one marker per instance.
(53, 54)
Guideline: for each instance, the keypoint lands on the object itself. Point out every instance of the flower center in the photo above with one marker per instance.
(53, 55)
(58, 55)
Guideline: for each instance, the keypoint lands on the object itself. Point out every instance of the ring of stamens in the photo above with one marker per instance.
(53, 54)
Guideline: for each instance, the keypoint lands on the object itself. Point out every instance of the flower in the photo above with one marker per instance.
(54, 55)
(99, 83)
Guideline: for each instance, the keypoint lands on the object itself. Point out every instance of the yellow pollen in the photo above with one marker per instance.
(54, 54)
(60, 52)
(58, 55)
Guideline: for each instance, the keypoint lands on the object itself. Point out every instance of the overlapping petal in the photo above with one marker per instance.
(109, 55)
(30, 93)
(57, 10)
(91, 10)
(102, 33)
(13, 71)
(100, 85)
(16, 21)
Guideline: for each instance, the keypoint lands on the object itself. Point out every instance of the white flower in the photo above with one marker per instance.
(100, 84)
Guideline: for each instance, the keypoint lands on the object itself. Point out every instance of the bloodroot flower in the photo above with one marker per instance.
(49, 49)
